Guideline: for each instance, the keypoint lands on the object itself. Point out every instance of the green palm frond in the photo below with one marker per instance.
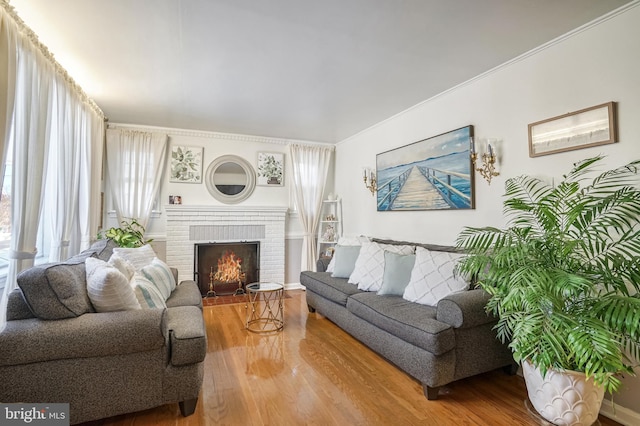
(564, 275)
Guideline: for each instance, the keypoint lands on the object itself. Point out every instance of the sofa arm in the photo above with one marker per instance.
(90, 335)
(322, 263)
(185, 330)
(465, 309)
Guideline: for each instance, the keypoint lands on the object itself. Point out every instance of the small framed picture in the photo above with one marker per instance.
(270, 169)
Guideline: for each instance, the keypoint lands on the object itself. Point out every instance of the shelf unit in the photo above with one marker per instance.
(330, 229)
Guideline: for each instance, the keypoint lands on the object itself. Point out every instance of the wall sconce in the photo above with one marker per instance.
(369, 179)
(487, 169)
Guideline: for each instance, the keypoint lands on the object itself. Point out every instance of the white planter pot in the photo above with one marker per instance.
(563, 397)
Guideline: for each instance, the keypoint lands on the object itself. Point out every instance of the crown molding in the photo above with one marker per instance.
(215, 135)
(619, 11)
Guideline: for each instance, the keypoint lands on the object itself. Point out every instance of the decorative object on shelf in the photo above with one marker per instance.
(370, 180)
(562, 276)
(270, 169)
(575, 130)
(329, 234)
(129, 234)
(330, 227)
(186, 164)
(431, 174)
(488, 167)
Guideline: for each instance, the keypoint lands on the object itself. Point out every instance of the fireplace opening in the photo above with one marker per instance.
(226, 268)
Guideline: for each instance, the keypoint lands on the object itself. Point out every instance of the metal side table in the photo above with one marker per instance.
(265, 309)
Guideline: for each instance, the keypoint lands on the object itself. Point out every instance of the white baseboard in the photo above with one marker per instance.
(294, 286)
(620, 414)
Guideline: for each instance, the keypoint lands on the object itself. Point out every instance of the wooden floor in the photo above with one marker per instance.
(313, 373)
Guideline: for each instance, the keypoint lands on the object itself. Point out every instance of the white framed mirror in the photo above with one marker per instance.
(230, 179)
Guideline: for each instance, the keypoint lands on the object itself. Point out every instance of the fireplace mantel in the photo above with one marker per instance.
(188, 225)
(175, 208)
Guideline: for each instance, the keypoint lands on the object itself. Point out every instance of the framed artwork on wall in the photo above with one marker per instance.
(186, 164)
(575, 130)
(431, 174)
(270, 169)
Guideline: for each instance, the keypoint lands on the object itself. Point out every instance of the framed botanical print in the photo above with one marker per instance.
(186, 164)
(270, 169)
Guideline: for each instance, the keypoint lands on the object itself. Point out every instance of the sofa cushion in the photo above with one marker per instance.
(412, 322)
(369, 268)
(108, 288)
(91, 335)
(139, 257)
(147, 293)
(344, 261)
(57, 290)
(335, 289)
(433, 247)
(160, 274)
(123, 265)
(397, 272)
(102, 248)
(433, 278)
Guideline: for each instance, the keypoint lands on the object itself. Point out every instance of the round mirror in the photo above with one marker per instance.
(230, 179)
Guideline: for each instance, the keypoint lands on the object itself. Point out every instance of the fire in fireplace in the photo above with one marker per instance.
(226, 268)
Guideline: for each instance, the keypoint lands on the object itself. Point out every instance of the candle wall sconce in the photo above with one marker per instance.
(369, 178)
(488, 158)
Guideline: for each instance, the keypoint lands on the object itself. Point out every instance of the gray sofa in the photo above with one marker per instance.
(435, 345)
(102, 364)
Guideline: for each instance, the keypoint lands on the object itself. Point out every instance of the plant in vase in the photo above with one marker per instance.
(129, 234)
(564, 278)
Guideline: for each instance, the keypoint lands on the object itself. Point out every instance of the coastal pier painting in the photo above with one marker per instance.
(431, 174)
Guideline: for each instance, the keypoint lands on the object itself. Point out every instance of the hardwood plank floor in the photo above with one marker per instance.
(313, 373)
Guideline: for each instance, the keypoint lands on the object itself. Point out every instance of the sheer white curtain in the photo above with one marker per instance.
(135, 162)
(70, 186)
(8, 33)
(91, 153)
(32, 85)
(310, 168)
(30, 126)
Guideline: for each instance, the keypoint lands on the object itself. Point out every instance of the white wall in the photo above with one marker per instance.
(215, 145)
(599, 64)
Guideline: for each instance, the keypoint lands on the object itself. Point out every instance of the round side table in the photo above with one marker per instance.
(265, 311)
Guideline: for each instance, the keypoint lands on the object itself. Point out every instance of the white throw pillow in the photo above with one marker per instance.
(369, 268)
(147, 293)
(432, 277)
(123, 265)
(108, 288)
(160, 274)
(139, 257)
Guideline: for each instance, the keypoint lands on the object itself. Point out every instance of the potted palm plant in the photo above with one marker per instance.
(564, 277)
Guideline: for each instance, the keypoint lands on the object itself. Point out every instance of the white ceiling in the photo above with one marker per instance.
(319, 70)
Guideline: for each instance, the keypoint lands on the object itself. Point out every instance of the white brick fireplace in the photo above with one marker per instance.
(189, 225)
